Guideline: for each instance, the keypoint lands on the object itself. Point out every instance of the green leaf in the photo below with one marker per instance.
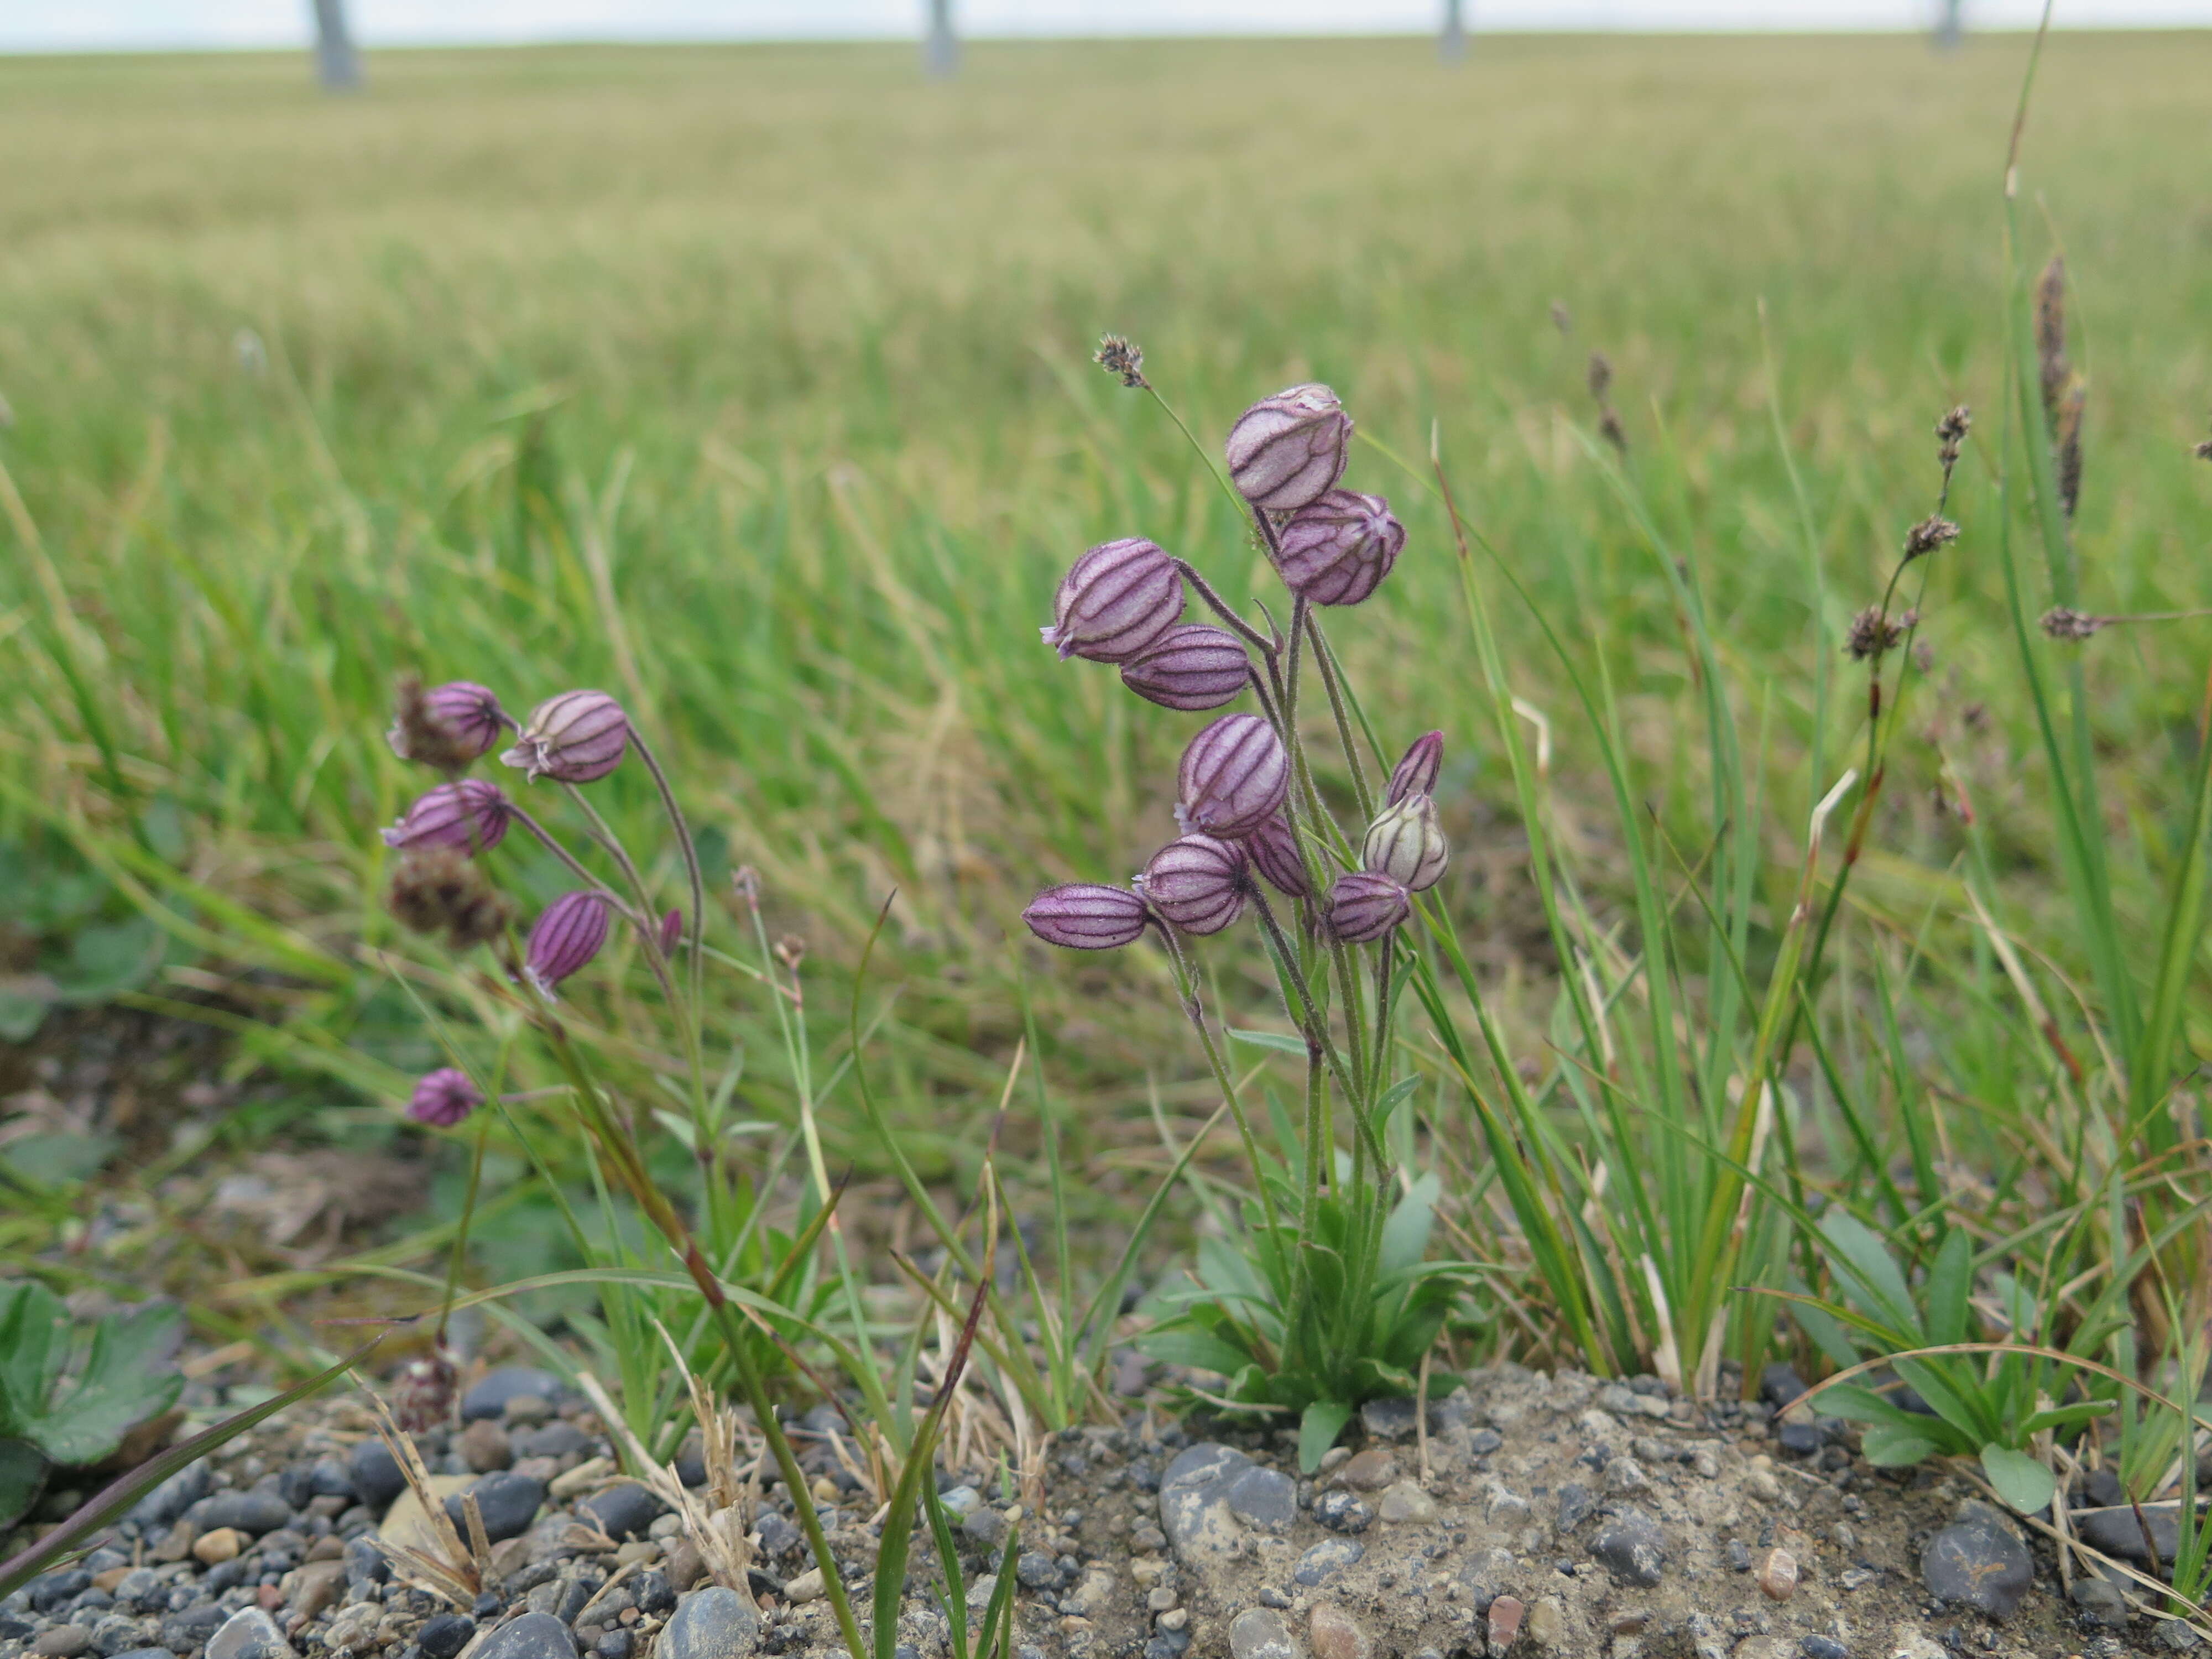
(127, 1379)
(1950, 1281)
(1277, 1041)
(22, 1478)
(1318, 1428)
(1889, 1447)
(105, 960)
(33, 1326)
(59, 1158)
(1875, 1284)
(1182, 1345)
(22, 1011)
(1406, 1234)
(2022, 1481)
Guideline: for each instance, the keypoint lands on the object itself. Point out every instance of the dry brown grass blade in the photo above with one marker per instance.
(454, 1572)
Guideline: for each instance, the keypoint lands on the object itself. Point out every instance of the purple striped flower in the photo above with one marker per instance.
(447, 726)
(1273, 848)
(443, 1098)
(575, 737)
(671, 933)
(1287, 449)
(1233, 777)
(1406, 844)
(566, 938)
(1197, 883)
(1115, 600)
(1364, 906)
(1416, 774)
(1085, 916)
(1337, 549)
(1190, 668)
(469, 816)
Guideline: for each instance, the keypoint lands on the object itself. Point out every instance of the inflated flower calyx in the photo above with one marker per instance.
(447, 726)
(1274, 849)
(1363, 907)
(1416, 774)
(1338, 549)
(578, 736)
(1197, 883)
(1406, 844)
(671, 933)
(566, 938)
(1190, 668)
(1114, 601)
(1086, 916)
(444, 1097)
(1285, 450)
(1233, 778)
(469, 816)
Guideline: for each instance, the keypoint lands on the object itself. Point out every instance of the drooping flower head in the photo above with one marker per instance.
(1189, 667)
(444, 1097)
(1416, 774)
(1363, 907)
(1274, 849)
(566, 938)
(1337, 549)
(447, 726)
(1197, 883)
(1406, 844)
(1234, 775)
(1086, 916)
(576, 738)
(469, 816)
(1287, 449)
(1115, 600)
(671, 933)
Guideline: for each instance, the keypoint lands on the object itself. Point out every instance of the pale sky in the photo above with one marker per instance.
(70, 25)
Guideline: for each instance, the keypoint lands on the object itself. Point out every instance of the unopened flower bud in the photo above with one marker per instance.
(1197, 883)
(1233, 777)
(1338, 549)
(1191, 666)
(447, 726)
(440, 889)
(1115, 600)
(444, 1097)
(575, 737)
(422, 1393)
(1364, 906)
(671, 933)
(566, 938)
(1274, 849)
(1416, 774)
(1406, 844)
(470, 816)
(1085, 916)
(1287, 449)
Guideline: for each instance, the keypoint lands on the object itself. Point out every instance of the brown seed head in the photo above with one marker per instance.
(747, 881)
(1951, 435)
(1930, 533)
(1873, 631)
(790, 952)
(1562, 319)
(442, 890)
(2051, 332)
(1124, 357)
(2064, 622)
(1600, 375)
(2203, 451)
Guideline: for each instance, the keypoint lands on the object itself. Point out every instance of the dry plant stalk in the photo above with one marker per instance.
(457, 1569)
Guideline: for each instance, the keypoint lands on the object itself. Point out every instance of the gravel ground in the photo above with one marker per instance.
(1529, 1514)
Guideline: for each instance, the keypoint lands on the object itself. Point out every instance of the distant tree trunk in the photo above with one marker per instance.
(335, 64)
(1948, 28)
(1451, 45)
(940, 53)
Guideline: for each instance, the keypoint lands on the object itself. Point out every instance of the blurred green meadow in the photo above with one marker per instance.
(753, 386)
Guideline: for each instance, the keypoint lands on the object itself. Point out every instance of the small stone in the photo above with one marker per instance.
(623, 1511)
(1505, 1614)
(2116, 1532)
(1333, 1633)
(1340, 1511)
(1576, 1505)
(62, 1642)
(1823, 1647)
(316, 1586)
(957, 1501)
(1980, 1565)
(565, 1484)
(1193, 1500)
(986, 1527)
(1369, 1471)
(1035, 1570)
(1147, 1539)
(1739, 1555)
(249, 1633)
(1626, 1474)
(489, 1397)
(1632, 1547)
(1175, 1619)
(1855, 1579)
(1388, 1420)
(636, 1552)
(2101, 1600)
(533, 1636)
(1260, 1633)
(1546, 1622)
(169, 1500)
(555, 1439)
(176, 1543)
(485, 1446)
(685, 1567)
(254, 1512)
(375, 1474)
(710, 1624)
(1263, 1498)
(353, 1630)
(1406, 1503)
(1777, 1575)
(219, 1546)
(444, 1635)
(1330, 1555)
(1483, 1441)
(807, 1586)
(507, 1502)
(1761, 1484)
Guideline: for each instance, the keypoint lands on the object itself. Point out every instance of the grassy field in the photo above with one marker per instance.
(752, 385)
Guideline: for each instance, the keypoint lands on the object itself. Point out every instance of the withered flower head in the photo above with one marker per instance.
(442, 890)
(447, 726)
(2203, 451)
(1873, 631)
(1562, 319)
(2062, 622)
(790, 952)
(422, 1394)
(1124, 357)
(1930, 533)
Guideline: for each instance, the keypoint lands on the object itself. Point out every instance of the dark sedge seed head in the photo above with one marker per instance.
(443, 1098)
(578, 736)
(1406, 844)
(440, 890)
(1273, 850)
(1951, 435)
(2203, 451)
(1873, 632)
(1197, 883)
(1234, 776)
(566, 938)
(469, 815)
(1930, 533)
(1285, 450)
(1086, 916)
(1416, 774)
(1114, 601)
(1190, 668)
(447, 726)
(1600, 375)
(2064, 622)
(1363, 907)
(1124, 357)
(1338, 548)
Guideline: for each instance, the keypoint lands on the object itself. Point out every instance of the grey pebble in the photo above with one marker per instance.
(533, 1636)
(709, 1624)
(249, 1633)
(1978, 1563)
(1632, 1547)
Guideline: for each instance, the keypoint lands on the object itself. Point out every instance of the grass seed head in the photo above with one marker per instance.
(1951, 435)
(1875, 631)
(1931, 532)
(2064, 623)
(1124, 357)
